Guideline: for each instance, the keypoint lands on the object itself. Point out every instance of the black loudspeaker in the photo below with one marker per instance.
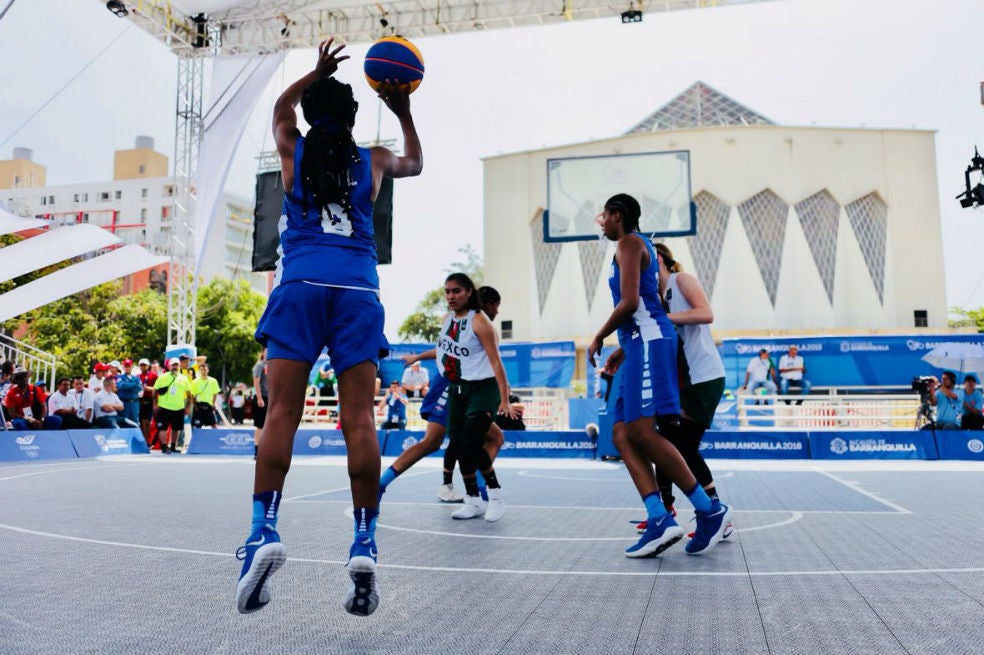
(266, 216)
(269, 206)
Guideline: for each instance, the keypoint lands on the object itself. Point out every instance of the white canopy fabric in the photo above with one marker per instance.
(10, 223)
(237, 84)
(78, 277)
(52, 247)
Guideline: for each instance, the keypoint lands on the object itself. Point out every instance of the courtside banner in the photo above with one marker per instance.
(221, 441)
(895, 444)
(96, 443)
(755, 445)
(568, 444)
(313, 441)
(960, 444)
(396, 441)
(33, 446)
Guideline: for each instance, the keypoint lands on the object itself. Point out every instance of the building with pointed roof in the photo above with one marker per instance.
(798, 229)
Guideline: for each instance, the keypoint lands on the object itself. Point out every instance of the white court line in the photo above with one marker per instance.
(449, 569)
(853, 486)
(620, 478)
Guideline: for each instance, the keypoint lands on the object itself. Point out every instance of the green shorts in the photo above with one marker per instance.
(700, 401)
(466, 398)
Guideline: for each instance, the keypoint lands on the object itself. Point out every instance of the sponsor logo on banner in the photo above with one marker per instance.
(27, 445)
(547, 445)
(754, 348)
(107, 444)
(975, 446)
(863, 346)
(751, 445)
(314, 442)
(237, 439)
(409, 442)
(870, 446)
(539, 353)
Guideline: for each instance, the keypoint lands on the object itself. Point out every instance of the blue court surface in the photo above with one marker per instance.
(135, 554)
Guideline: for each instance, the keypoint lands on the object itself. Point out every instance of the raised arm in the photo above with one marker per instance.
(384, 162)
(285, 130)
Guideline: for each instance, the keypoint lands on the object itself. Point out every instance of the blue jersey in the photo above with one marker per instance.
(333, 248)
(649, 320)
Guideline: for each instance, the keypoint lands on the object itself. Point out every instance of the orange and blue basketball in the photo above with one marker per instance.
(395, 59)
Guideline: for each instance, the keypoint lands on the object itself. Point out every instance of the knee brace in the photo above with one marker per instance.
(671, 427)
(477, 425)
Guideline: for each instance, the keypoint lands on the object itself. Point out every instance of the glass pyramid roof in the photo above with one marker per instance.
(700, 105)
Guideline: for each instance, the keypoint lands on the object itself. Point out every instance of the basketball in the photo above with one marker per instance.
(396, 59)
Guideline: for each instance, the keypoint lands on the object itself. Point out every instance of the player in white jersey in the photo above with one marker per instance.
(468, 356)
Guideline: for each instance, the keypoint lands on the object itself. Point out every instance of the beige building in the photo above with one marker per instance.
(798, 228)
(136, 205)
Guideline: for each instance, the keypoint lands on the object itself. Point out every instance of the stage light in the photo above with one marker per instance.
(632, 16)
(117, 7)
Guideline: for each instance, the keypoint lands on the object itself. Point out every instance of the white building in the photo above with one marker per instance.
(799, 229)
(136, 206)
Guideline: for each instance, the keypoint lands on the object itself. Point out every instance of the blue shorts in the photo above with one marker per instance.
(434, 409)
(649, 385)
(301, 319)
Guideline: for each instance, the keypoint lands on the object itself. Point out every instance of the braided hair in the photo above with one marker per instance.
(330, 152)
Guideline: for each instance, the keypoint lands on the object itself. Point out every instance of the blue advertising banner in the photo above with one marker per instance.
(397, 441)
(96, 443)
(574, 443)
(581, 411)
(755, 445)
(315, 441)
(32, 446)
(221, 441)
(845, 361)
(960, 444)
(873, 445)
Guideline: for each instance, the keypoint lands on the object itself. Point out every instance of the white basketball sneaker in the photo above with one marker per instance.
(473, 508)
(496, 506)
(448, 494)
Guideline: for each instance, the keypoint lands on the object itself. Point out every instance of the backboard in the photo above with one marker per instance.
(577, 188)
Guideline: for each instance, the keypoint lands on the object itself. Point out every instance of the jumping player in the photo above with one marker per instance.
(434, 410)
(327, 295)
(649, 384)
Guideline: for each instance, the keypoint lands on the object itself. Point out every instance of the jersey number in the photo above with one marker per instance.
(335, 220)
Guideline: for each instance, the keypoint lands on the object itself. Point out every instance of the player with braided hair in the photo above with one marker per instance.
(326, 295)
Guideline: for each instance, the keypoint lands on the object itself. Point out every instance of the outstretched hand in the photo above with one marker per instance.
(328, 59)
(396, 97)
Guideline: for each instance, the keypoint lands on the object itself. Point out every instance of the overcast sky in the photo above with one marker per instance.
(872, 63)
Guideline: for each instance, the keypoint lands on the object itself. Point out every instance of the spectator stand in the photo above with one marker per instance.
(833, 410)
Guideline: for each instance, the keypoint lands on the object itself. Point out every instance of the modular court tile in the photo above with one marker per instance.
(135, 554)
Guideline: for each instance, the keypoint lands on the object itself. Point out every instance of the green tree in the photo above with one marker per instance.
(968, 318)
(227, 316)
(424, 323)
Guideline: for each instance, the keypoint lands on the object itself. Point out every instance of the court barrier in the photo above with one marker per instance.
(69, 444)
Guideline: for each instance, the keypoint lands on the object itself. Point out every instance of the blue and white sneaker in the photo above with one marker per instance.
(659, 536)
(711, 527)
(262, 556)
(362, 597)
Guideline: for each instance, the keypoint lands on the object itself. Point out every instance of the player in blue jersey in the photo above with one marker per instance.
(649, 388)
(326, 295)
(434, 409)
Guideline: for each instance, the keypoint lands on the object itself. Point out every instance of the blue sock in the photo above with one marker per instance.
(365, 521)
(388, 476)
(265, 508)
(483, 489)
(654, 506)
(699, 499)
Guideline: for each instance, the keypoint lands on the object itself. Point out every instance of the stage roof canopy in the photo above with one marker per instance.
(228, 27)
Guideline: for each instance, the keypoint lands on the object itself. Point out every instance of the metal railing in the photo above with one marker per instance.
(41, 364)
(831, 412)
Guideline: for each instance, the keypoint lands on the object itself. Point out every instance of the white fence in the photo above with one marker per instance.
(38, 362)
(833, 412)
(544, 410)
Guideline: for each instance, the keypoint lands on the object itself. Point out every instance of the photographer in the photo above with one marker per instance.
(973, 403)
(947, 402)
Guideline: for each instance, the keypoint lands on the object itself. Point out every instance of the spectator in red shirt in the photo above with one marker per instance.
(24, 407)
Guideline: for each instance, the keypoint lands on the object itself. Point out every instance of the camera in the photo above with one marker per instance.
(973, 196)
(922, 384)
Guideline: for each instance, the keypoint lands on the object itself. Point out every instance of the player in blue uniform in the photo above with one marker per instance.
(649, 388)
(326, 295)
